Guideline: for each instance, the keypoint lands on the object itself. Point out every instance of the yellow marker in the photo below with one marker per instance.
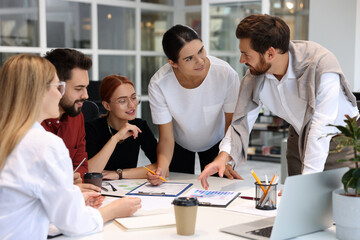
(258, 180)
(152, 172)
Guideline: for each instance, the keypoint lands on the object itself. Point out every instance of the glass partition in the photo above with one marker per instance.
(68, 24)
(149, 66)
(113, 64)
(295, 13)
(153, 26)
(164, 2)
(193, 20)
(19, 23)
(224, 19)
(116, 27)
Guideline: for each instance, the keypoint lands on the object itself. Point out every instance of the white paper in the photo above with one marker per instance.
(150, 221)
(219, 198)
(164, 189)
(248, 206)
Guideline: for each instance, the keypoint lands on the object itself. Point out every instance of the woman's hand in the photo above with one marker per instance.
(77, 178)
(93, 199)
(124, 207)
(154, 179)
(126, 131)
(110, 175)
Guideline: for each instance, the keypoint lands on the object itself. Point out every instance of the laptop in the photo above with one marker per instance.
(305, 207)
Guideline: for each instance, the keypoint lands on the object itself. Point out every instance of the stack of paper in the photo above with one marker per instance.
(147, 222)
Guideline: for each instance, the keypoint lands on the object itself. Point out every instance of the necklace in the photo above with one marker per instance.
(121, 141)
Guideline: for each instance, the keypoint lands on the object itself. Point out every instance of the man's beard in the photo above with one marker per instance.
(70, 109)
(261, 68)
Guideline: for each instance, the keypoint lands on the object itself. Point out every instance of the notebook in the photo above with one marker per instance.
(146, 222)
(305, 207)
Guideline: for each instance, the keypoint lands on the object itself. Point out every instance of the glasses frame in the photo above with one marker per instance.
(128, 99)
(61, 86)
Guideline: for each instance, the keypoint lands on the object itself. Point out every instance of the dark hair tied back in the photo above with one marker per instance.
(175, 38)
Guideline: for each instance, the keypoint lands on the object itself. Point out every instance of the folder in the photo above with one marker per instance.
(166, 189)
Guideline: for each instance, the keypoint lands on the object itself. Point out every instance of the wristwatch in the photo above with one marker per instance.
(119, 172)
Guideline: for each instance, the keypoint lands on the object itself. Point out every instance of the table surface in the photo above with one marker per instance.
(209, 219)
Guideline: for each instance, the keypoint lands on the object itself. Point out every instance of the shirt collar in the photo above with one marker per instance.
(289, 73)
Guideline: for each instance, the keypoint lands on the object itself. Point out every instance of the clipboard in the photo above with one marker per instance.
(166, 189)
(213, 198)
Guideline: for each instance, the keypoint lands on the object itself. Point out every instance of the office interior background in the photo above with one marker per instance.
(124, 36)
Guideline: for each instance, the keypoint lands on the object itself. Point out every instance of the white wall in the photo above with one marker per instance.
(335, 24)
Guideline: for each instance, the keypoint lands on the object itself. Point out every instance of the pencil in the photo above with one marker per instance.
(267, 190)
(79, 165)
(258, 180)
(153, 173)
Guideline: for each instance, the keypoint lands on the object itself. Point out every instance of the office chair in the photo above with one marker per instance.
(90, 110)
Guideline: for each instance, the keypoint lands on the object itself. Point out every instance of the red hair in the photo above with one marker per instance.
(109, 85)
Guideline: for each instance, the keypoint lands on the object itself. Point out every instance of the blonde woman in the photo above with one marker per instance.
(36, 175)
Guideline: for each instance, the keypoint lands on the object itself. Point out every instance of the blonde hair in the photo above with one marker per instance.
(23, 80)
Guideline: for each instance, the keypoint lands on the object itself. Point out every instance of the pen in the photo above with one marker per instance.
(269, 193)
(151, 193)
(79, 164)
(153, 173)
(249, 198)
(267, 190)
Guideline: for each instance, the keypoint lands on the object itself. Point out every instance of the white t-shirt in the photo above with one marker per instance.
(36, 187)
(197, 114)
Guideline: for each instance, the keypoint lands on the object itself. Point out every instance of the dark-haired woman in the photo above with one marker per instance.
(110, 148)
(192, 100)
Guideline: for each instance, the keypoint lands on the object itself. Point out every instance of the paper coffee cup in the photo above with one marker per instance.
(185, 214)
(93, 178)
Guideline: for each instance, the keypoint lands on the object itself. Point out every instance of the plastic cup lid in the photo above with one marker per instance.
(186, 201)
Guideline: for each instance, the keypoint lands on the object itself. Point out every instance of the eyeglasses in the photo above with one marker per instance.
(60, 87)
(125, 101)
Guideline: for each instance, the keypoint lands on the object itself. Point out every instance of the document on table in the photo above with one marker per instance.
(213, 198)
(166, 189)
(121, 186)
(248, 206)
(147, 222)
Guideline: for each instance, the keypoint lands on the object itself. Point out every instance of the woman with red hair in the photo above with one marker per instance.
(110, 148)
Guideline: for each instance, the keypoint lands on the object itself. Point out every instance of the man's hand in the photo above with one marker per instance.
(87, 187)
(230, 173)
(93, 199)
(77, 178)
(216, 166)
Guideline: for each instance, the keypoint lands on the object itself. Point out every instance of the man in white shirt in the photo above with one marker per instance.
(299, 81)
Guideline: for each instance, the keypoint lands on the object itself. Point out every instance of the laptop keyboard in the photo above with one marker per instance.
(264, 232)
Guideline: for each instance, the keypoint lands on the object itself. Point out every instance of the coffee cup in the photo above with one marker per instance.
(93, 178)
(185, 214)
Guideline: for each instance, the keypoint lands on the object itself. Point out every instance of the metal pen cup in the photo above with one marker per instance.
(265, 200)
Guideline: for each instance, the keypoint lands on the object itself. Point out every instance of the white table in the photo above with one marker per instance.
(209, 219)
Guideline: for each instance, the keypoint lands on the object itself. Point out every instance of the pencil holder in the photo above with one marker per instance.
(266, 196)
